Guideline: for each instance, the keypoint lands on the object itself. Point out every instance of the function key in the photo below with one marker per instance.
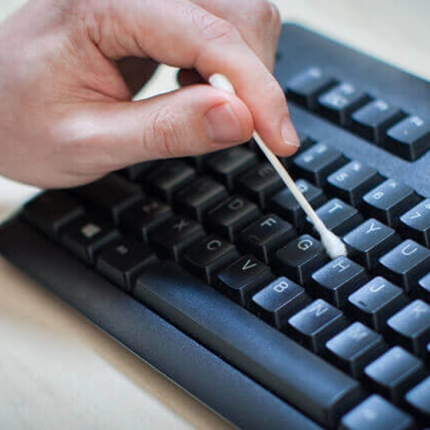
(409, 139)
(373, 119)
(318, 162)
(405, 264)
(416, 223)
(352, 181)
(265, 236)
(305, 87)
(52, 210)
(338, 103)
(388, 201)
(419, 399)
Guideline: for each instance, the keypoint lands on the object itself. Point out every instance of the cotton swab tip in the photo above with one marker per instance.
(222, 83)
(333, 245)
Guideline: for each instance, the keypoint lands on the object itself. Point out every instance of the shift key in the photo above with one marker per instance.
(266, 355)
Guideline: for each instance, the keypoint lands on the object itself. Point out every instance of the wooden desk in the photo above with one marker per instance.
(59, 371)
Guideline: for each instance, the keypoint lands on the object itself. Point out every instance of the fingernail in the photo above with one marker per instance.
(223, 125)
(289, 134)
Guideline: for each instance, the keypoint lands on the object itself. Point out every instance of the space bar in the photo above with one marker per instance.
(302, 379)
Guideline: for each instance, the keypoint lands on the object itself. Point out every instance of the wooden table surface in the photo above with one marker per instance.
(59, 371)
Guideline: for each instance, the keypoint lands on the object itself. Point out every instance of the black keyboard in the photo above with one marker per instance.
(208, 269)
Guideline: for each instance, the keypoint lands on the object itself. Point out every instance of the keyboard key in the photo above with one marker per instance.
(260, 183)
(423, 291)
(137, 171)
(228, 164)
(375, 302)
(168, 177)
(51, 211)
(231, 216)
(109, 196)
(373, 120)
(206, 258)
(336, 280)
(405, 264)
(369, 241)
(409, 139)
(315, 324)
(139, 220)
(199, 196)
(339, 217)
(388, 201)
(394, 373)
(305, 143)
(123, 261)
(305, 87)
(174, 236)
(376, 413)
(300, 258)
(354, 348)
(265, 236)
(86, 236)
(415, 223)
(252, 346)
(352, 181)
(339, 102)
(278, 301)
(318, 162)
(410, 327)
(286, 205)
(243, 278)
(419, 399)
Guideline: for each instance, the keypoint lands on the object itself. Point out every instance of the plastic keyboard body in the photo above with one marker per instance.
(207, 269)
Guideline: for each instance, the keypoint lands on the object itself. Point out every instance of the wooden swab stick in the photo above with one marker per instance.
(333, 245)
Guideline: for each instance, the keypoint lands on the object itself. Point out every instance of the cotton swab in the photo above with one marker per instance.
(333, 245)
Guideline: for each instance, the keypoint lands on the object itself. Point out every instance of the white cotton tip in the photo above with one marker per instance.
(222, 83)
(333, 245)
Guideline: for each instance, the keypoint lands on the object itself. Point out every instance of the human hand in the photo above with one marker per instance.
(69, 69)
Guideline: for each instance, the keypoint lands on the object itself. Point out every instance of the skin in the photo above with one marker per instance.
(69, 70)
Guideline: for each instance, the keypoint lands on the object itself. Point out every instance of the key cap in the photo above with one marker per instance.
(51, 211)
(226, 165)
(278, 301)
(86, 236)
(206, 258)
(136, 172)
(243, 278)
(123, 261)
(376, 413)
(173, 237)
(109, 196)
(285, 204)
(168, 177)
(373, 120)
(265, 236)
(375, 302)
(423, 291)
(318, 162)
(231, 216)
(260, 183)
(278, 363)
(300, 258)
(199, 196)
(336, 280)
(394, 373)
(369, 241)
(410, 327)
(352, 181)
(405, 264)
(315, 324)
(409, 138)
(388, 201)
(139, 220)
(419, 399)
(338, 103)
(305, 87)
(339, 217)
(415, 224)
(354, 348)
(305, 143)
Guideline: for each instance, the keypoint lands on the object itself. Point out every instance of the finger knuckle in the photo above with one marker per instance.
(214, 29)
(264, 12)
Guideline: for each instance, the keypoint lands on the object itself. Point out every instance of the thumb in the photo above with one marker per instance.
(189, 121)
